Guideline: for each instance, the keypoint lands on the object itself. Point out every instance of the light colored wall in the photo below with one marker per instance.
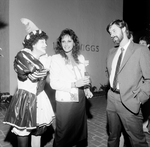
(88, 18)
(4, 44)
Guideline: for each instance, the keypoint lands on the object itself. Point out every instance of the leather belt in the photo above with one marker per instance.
(115, 90)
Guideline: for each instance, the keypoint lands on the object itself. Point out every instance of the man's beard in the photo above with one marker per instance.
(118, 39)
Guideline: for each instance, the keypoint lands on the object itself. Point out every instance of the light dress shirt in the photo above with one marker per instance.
(114, 63)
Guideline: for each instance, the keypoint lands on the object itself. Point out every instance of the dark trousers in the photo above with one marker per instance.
(118, 115)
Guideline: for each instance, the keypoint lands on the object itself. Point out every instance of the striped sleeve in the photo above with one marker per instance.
(37, 75)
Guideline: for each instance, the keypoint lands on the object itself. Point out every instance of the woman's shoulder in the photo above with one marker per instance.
(45, 60)
(23, 54)
(81, 58)
(57, 58)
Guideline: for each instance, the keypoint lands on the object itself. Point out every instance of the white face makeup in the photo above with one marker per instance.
(40, 46)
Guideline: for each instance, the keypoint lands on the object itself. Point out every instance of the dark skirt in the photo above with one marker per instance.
(22, 110)
(71, 122)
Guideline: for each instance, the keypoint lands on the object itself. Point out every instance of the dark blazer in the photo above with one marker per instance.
(134, 75)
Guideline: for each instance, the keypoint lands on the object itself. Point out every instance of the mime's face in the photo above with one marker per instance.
(40, 46)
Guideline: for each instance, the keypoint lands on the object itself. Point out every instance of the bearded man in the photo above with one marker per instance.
(128, 66)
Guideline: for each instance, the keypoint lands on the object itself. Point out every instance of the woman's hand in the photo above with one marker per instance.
(88, 93)
(82, 82)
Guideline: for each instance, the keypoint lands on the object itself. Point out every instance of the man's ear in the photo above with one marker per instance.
(124, 29)
(33, 46)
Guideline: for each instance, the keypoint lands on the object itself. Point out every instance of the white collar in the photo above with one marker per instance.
(126, 45)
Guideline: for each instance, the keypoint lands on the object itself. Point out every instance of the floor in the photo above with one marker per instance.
(97, 134)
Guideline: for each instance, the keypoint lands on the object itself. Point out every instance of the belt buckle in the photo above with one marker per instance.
(115, 90)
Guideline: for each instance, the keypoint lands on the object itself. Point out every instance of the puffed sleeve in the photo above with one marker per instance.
(46, 61)
(22, 66)
(38, 75)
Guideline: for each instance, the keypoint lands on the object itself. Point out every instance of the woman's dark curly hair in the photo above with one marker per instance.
(76, 48)
(33, 37)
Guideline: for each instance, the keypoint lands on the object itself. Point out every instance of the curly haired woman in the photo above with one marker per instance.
(68, 79)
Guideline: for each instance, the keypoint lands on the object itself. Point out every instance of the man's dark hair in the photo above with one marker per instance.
(121, 24)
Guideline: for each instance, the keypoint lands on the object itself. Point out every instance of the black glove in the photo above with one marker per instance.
(22, 77)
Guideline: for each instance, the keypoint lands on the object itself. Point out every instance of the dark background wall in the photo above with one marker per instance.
(137, 14)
